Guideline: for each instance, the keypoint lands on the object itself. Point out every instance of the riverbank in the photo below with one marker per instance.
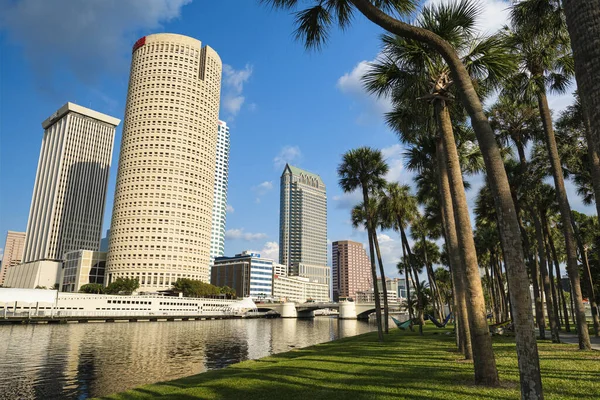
(405, 366)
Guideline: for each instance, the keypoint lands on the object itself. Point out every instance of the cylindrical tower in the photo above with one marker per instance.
(162, 213)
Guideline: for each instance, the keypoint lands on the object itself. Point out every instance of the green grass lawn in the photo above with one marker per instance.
(406, 366)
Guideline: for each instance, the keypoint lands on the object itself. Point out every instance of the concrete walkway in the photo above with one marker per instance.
(571, 338)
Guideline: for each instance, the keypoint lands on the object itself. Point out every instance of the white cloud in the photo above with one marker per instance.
(86, 39)
(269, 250)
(1, 253)
(240, 234)
(350, 84)
(232, 104)
(287, 154)
(233, 86)
(230, 208)
(383, 238)
(262, 189)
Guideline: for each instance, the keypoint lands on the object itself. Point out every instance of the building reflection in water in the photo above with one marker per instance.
(75, 361)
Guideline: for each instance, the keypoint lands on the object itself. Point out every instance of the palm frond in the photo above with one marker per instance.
(313, 26)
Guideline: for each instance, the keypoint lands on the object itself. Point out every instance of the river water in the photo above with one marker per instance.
(77, 361)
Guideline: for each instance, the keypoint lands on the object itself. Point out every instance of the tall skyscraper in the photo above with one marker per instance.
(219, 216)
(162, 215)
(13, 252)
(351, 269)
(303, 224)
(69, 195)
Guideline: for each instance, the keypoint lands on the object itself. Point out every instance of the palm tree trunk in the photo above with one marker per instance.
(529, 366)
(565, 213)
(496, 288)
(594, 158)
(505, 298)
(373, 268)
(582, 21)
(587, 279)
(539, 312)
(546, 280)
(413, 268)
(481, 340)
(407, 282)
(561, 292)
(457, 267)
(492, 292)
(572, 306)
(386, 315)
(437, 304)
(555, 301)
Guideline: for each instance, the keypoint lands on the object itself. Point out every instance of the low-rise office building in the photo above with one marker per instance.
(280, 270)
(82, 267)
(315, 273)
(299, 289)
(34, 274)
(247, 273)
(392, 288)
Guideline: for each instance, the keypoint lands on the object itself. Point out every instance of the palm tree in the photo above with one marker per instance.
(546, 63)
(398, 209)
(359, 218)
(580, 18)
(517, 122)
(363, 169)
(582, 21)
(409, 71)
(314, 24)
(429, 254)
(586, 231)
(581, 162)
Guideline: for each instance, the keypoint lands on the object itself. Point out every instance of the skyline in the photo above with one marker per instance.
(303, 123)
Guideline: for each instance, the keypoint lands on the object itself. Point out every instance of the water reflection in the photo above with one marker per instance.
(76, 361)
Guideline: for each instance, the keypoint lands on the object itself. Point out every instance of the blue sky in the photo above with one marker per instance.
(282, 103)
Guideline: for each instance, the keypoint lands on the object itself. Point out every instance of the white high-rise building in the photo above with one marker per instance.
(163, 207)
(219, 216)
(69, 195)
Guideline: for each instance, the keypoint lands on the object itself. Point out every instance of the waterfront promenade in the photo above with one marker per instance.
(406, 366)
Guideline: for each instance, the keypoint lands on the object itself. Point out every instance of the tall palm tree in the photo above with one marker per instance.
(363, 169)
(429, 254)
(582, 20)
(410, 71)
(518, 121)
(398, 208)
(359, 218)
(546, 63)
(550, 17)
(314, 24)
(586, 231)
(577, 152)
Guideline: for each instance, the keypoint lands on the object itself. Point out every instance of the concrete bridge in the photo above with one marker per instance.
(347, 309)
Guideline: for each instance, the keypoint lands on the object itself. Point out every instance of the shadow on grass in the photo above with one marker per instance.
(406, 366)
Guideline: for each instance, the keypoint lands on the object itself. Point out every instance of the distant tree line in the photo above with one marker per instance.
(195, 288)
(119, 286)
(189, 288)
